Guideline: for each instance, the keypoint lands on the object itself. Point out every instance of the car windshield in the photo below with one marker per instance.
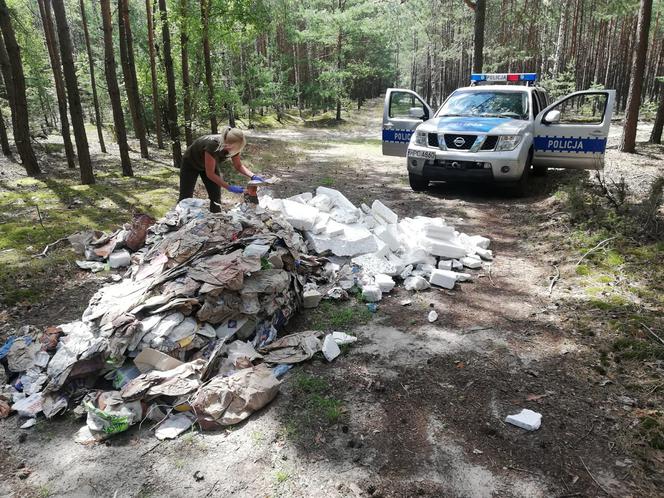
(493, 104)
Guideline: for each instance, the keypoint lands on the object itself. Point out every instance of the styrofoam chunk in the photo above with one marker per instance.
(479, 241)
(439, 232)
(372, 293)
(322, 202)
(119, 258)
(526, 419)
(425, 268)
(445, 264)
(433, 316)
(443, 278)
(470, 262)
(337, 197)
(322, 220)
(442, 248)
(385, 282)
(380, 209)
(457, 265)
(330, 348)
(311, 298)
(302, 198)
(354, 240)
(387, 233)
(405, 273)
(486, 254)
(416, 283)
(301, 216)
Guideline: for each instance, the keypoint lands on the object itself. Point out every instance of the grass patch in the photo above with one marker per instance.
(631, 348)
(327, 181)
(318, 404)
(281, 476)
(338, 316)
(651, 429)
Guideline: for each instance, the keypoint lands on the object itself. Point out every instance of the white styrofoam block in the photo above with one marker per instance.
(443, 278)
(380, 209)
(416, 283)
(369, 221)
(405, 273)
(443, 232)
(526, 419)
(311, 298)
(337, 197)
(470, 262)
(334, 229)
(322, 202)
(463, 277)
(330, 348)
(417, 256)
(385, 282)
(301, 216)
(387, 233)
(366, 209)
(373, 263)
(322, 220)
(372, 293)
(445, 264)
(479, 241)
(342, 338)
(119, 258)
(432, 316)
(383, 248)
(302, 198)
(354, 240)
(344, 215)
(486, 254)
(443, 248)
(425, 268)
(457, 265)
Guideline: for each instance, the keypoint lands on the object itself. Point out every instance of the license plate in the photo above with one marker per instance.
(423, 154)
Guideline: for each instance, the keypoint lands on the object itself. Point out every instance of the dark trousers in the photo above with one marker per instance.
(188, 177)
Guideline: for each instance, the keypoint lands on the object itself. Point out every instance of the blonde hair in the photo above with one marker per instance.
(235, 137)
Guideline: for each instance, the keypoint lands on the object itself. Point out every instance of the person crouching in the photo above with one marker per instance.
(209, 157)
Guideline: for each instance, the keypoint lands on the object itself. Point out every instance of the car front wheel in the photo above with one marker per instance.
(417, 182)
(522, 187)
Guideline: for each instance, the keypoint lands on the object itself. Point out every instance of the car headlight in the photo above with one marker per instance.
(508, 142)
(421, 138)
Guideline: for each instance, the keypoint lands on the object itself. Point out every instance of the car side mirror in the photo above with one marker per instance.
(416, 113)
(552, 117)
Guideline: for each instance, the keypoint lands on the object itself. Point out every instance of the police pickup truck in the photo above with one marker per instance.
(497, 129)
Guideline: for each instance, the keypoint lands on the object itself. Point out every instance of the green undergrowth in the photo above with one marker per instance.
(315, 394)
(342, 316)
(35, 212)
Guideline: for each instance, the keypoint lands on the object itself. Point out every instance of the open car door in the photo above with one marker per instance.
(572, 132)
(404, 111)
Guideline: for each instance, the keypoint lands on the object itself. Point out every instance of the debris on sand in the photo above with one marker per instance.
(189, 334)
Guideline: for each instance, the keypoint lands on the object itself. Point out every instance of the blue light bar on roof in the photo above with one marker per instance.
(529, 77)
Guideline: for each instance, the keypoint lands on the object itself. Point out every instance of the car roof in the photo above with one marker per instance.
(501, 88)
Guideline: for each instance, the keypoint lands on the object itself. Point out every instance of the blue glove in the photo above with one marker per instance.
(257, 178)
(236, 189)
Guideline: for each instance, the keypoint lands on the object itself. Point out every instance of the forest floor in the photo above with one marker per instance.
(413, 408)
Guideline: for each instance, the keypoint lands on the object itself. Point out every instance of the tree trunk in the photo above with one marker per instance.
(129, 73)
(480, 15)
(170, 82)
(93, 82)
(4, 141)
(628, 141)
(52, 47)
(113, 90)
(212, 111)
(153, 73)
(186, 84)
(339, 40)
(18, 100)
(656, 134)
(75, 109)
(562, 28)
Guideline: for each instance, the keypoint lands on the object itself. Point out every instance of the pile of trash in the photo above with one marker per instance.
(189, 334)
(418, 251)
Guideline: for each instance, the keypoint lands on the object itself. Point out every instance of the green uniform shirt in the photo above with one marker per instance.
(212, 144)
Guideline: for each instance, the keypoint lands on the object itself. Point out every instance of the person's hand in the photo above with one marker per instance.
(258, 178)
(236, 189)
